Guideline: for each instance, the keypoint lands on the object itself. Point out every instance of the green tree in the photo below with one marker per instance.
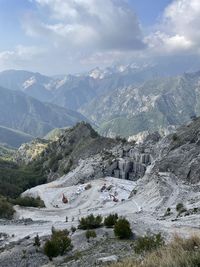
(110, 220)
(59, 244)
(6, 209)
(90, 234)
(122, 229)
(90, 222)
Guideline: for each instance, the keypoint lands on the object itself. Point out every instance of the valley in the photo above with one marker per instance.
(100, 133)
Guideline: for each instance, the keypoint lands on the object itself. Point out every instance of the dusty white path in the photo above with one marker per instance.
(82, 202)
(144, 210)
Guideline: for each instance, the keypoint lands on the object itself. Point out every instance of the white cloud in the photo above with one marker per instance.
(75, 35)
(179, 30)
(98, 24)
(20, 57)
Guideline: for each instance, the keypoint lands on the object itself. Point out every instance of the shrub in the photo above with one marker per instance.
(195, 210)
(37, 241)
(73, 229)
(6, 209)
(110, 220)
(51, 249)
(59, 244)
(175, 137)
(122, 229)
(179, 207)
(168, 212)
(148, 243)
(134, 191)
(90, 222)
(90, 234)
(29, 202)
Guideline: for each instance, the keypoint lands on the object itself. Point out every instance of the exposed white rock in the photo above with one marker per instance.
(108, 260)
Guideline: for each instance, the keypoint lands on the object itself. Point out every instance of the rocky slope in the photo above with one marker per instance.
(57, 157)
(179, 153)
(156, 105)
(147, 179)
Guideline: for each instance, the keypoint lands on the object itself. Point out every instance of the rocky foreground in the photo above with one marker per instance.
(143, 182)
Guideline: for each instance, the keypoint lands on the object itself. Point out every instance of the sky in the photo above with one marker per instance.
(71, 36)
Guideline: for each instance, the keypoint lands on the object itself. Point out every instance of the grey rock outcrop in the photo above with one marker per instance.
(179, 153)
(108, 260)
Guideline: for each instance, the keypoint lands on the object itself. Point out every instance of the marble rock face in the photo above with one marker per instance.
(131, 166)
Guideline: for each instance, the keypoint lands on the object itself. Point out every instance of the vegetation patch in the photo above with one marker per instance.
(16, 179)
(148, 243)
(110, 220)
(6, 209)
(29, 202)
(179, 253)
(58, 244)
(122, 229)
(90, 234)
(90, 222)
(180, 208)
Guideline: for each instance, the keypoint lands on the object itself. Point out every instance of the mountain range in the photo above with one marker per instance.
(121, 100)
(29, 115)
(155, 105)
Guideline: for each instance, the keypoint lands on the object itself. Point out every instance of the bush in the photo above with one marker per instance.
(148, 243)
(179, 207)
(110, 220)
(90, 234)
(51, 249)
(175, 137)
(90, 222)
(6, 209)
(168, 212)
(37, 241)
(59, 244)
(29, 202)
(122, 229)
(73, 229)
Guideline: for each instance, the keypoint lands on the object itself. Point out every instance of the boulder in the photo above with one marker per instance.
(108, 260)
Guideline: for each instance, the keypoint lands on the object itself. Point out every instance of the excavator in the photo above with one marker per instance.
(64, 199)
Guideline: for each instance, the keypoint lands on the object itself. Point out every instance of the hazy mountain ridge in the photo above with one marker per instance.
(120, 100)
(24, 113)
(73, 91)
(33, 84)
(13, 138)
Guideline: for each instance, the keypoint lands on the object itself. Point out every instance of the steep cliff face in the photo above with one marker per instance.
(179, 153)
